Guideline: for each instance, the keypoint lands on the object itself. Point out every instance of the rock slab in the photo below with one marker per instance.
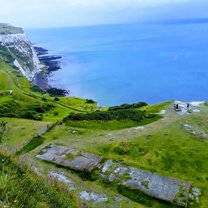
(70, 158)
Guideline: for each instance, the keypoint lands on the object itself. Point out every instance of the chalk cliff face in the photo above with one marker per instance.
(16, 49)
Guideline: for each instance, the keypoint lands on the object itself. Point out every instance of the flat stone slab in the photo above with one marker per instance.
(70, 158)
(154, 185)
(158, 186)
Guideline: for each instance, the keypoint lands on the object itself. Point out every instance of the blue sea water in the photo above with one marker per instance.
(127, 63)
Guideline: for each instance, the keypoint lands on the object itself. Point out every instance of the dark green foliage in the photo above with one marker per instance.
(5, 54)
(8, 107)
(128, 106)
(29, 115)
(2, 129)
(25, 59)
(56, 99)
(125, 148)
(168, 162)
(90, 176)
(35, 88)
(142, 198)
(134, 115)
(13, 109)
(35, 142)
(57, 92)
(44, 99)
(121, 150)
(90, 101)
(55, 113)
(22, 189)
(37, 108)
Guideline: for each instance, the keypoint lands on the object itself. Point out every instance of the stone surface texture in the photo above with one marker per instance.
(154, 185)
(70, 158)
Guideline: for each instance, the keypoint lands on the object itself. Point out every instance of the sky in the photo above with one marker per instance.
(61, 13)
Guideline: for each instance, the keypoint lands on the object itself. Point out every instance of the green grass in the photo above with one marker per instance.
(163, 147)
(20, 131)
(8, 29)
(21, 102)
(34, 142)
(110, 125)
(156, 108)
(103, 125)
(19, 188)
(2, 130)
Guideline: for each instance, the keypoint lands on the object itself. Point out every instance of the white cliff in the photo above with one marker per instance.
(21, 53)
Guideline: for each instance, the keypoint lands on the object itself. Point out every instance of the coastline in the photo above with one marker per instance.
(49, 63)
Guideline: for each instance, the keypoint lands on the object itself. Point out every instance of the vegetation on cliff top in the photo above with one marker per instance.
(8, 29)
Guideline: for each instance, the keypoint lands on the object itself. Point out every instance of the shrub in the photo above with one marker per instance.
(35, 88)
(57, 92)
(134, 115)
(90, 101)
(127, 106)
(55, 113)
(56, 99)
(2, 129)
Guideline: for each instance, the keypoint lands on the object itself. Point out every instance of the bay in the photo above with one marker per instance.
(127, 63)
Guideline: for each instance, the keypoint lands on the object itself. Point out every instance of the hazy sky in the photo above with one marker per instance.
(54, 13)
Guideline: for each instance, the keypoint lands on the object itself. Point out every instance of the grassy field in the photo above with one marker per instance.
(23, 102)
(174, 145)
(6, 29)
(17, 185)
(162, 147)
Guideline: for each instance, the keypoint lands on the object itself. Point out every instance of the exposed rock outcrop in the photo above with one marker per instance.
(70, 158)
(17, 50)
(157, 186)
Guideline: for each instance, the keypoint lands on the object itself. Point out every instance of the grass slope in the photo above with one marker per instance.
(23, 103)
(163, 147)
(17, 185)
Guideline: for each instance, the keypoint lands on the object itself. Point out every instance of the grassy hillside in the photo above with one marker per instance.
(7, 29)
(164, 147)
(18, 100)
(17, 185)
(171, 144)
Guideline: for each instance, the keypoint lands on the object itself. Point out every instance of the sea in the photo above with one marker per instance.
(127, 63)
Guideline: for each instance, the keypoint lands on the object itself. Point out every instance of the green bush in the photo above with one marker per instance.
(12, 109)
(134, 115)
(56, 99)
(127, 106)
(2, 129)
(35, 88)
(90, 101)
(55, 113)
(38, 108)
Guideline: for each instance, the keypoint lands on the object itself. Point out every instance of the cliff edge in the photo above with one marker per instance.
(17, 50)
